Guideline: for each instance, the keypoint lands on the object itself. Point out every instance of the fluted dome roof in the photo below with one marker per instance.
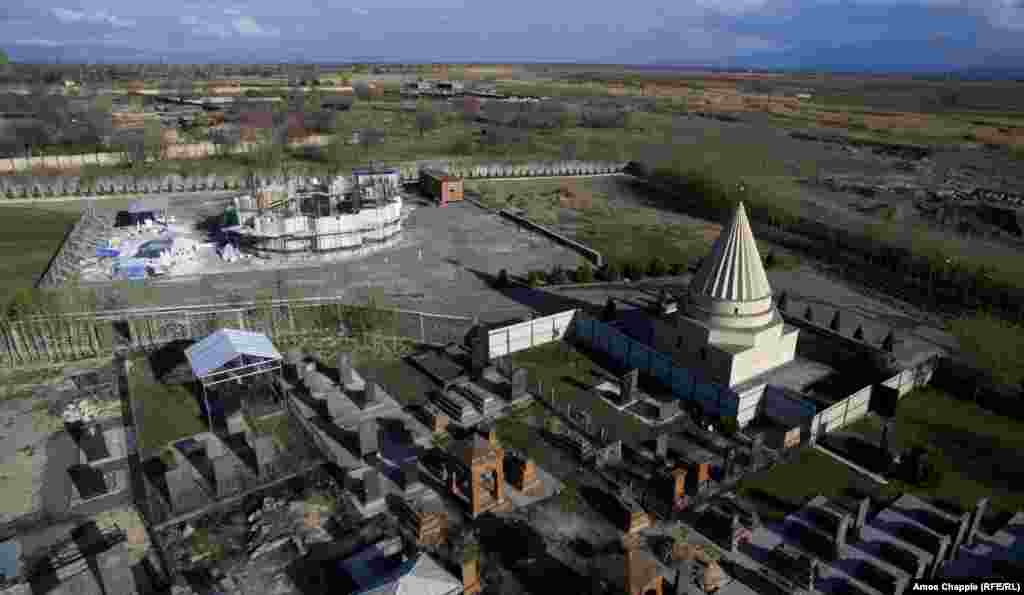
(733, 271)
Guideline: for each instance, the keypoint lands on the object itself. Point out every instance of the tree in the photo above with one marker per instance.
(4, 60)
(859, 333)
(154, 141)
(657, 267)
(225, 139)
(426, 119)
(535, 278)
(609, 312)
(557, 276)
(366, 91)
(769, 260)
(782, 302)
(611, 272)
(836, 323)
(677, 269)
(502, 281)
(585, 273)
(369, 137)
(632, 271)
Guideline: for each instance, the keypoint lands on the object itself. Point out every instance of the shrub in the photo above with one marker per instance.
(611, 272)
(728, 425)
(585, 273)
(657, 267)
(535, 278)
(677, 269)
(557, 276)
(632, 271)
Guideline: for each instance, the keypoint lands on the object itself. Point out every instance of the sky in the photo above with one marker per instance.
(855, 34)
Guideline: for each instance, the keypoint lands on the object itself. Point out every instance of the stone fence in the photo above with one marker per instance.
(26, 186)
(86, 335)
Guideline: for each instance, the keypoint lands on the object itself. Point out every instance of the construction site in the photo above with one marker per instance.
(272, 226)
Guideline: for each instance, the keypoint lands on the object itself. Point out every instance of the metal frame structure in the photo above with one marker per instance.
(241, 366)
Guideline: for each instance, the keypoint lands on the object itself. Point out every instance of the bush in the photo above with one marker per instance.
(728, 425)
(657, 267)
(557, 276)
(633, 271)
(611, 272)
(585, 273)
(677, 269)
(535, 278)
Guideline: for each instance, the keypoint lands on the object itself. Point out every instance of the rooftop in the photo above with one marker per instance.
(733, 270)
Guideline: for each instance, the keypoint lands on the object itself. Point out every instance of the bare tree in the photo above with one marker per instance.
(226, 139)
(426, 119)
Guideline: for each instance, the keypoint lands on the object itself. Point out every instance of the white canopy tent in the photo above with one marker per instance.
(230, 354)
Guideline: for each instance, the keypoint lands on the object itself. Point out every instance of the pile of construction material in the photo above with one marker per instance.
(79, 247)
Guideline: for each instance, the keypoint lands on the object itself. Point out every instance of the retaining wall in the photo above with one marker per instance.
(524, 335)
(588, 252)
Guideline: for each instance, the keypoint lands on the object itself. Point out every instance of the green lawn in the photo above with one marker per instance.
(570, 373)
(975, 445)
(29, 237)
(785, 488)
(167, 412)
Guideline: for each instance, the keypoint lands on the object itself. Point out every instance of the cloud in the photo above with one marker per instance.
(361, 11)
(248, 27)
(45, 43)
(204, 28)
(68, 16)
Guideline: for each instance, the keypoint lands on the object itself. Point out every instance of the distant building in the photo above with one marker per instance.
(441, 186)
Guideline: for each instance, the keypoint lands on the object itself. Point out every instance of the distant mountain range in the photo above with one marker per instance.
(888, 56)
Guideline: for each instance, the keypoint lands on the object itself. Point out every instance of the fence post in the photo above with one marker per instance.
(423, 330)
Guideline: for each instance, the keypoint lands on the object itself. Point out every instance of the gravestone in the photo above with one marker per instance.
(730, 462)
(517, 384)
(862, 516)
(345, 368)
(479, 348)
(661, 446)
(979, 513)
(840, 539)
(410, 474)
(369, 442)
(371, 394)
(373, 491)
(628, 384)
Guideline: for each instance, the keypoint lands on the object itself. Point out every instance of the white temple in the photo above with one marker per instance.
(729, 330)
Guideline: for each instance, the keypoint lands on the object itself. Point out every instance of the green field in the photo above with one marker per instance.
(571, 373)
(974, 447)
(30, 238)
(167, 412)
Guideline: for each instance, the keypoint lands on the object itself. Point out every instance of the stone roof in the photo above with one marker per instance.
(733, 270)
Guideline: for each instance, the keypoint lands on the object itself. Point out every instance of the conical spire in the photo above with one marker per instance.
(733, 271)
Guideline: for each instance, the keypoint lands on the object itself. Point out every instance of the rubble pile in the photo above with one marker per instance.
(89, 410)
(79, 248)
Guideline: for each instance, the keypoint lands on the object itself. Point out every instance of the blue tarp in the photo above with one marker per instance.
(107, 252)
(129, 268)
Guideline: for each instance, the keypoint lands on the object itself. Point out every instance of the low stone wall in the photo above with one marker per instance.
(588, 252)
(20, 186)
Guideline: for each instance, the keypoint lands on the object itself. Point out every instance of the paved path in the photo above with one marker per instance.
(61, 453)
